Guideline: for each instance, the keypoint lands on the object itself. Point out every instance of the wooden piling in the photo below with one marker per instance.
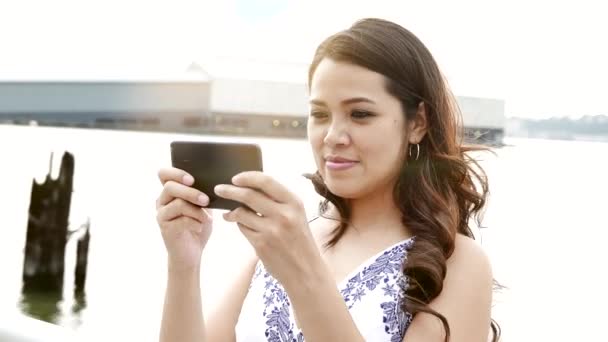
(47, 230)
(82, 253)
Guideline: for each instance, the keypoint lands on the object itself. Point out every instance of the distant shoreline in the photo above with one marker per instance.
(482, 136)
(587, 128)
(561, 137)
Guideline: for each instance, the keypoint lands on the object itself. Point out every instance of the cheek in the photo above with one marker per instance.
(385, 154)
(315, 139)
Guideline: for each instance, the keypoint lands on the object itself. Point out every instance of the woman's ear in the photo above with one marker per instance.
(418, 127)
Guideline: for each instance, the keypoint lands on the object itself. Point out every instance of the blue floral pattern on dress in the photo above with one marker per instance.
(280, 328)
(386, 267)
(256, 273)
(383, 273)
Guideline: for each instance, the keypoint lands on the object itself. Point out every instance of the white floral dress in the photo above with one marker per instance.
(374, 293)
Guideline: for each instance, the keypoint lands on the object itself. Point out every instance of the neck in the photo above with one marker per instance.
(375, 216)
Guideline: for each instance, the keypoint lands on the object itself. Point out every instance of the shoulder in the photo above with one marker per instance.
(468, 275)
(469, 271)
(465, 299)
(469, 259)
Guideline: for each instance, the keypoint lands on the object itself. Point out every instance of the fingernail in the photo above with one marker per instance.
(188, 179)
(204, 200)
(218, 188)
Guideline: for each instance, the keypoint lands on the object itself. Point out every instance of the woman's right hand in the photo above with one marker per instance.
(184, 224)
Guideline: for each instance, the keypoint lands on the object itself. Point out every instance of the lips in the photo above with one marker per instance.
(339, 163)
(336, 159)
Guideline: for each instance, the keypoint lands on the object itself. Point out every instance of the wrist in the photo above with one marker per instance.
(315, 277)
(179, 270)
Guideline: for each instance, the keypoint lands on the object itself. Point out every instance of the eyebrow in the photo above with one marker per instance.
(345, 102)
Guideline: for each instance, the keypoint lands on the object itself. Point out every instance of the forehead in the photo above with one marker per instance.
(336, 80)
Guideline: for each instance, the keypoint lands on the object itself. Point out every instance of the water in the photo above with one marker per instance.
(545, 237)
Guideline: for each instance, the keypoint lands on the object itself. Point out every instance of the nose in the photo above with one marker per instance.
(337, 134)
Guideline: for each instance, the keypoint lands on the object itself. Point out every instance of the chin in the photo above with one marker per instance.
(346, 189)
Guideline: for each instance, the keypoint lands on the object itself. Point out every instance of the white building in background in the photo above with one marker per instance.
(129, 104)
(198, 103)
(483, 118)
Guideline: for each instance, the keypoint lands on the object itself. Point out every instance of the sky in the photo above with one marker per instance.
(543, 58)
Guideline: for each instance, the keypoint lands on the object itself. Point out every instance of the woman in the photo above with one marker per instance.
(391, 257)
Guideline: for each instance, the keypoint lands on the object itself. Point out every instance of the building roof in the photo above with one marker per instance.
(221, 86)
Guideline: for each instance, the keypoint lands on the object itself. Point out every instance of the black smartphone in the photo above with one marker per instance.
(213, 163)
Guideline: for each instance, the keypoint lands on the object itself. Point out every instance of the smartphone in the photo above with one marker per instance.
(213, 163)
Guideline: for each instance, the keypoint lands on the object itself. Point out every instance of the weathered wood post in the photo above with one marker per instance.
(47, 230)
(82, 254)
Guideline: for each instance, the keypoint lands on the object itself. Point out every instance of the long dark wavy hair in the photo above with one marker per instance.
(439, 192)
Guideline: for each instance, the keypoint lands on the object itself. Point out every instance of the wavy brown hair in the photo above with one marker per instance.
(439, 192)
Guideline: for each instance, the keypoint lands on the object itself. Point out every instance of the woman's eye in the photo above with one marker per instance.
(360, 114)
(318, 115)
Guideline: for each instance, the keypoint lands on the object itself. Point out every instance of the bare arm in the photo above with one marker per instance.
(282, 239)
(186, 227)
(222, 321)
(465, 300)
(183, 318)
(182, 313)
(320, 308)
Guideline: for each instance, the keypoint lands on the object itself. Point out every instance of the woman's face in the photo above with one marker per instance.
(356, 129)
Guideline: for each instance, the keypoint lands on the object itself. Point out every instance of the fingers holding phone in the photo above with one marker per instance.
(184, 222)
(173, 189)
(182, 207)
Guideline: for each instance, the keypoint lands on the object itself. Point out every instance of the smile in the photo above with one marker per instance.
(339, 166)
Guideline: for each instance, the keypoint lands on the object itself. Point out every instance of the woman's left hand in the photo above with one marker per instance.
(276, 226)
